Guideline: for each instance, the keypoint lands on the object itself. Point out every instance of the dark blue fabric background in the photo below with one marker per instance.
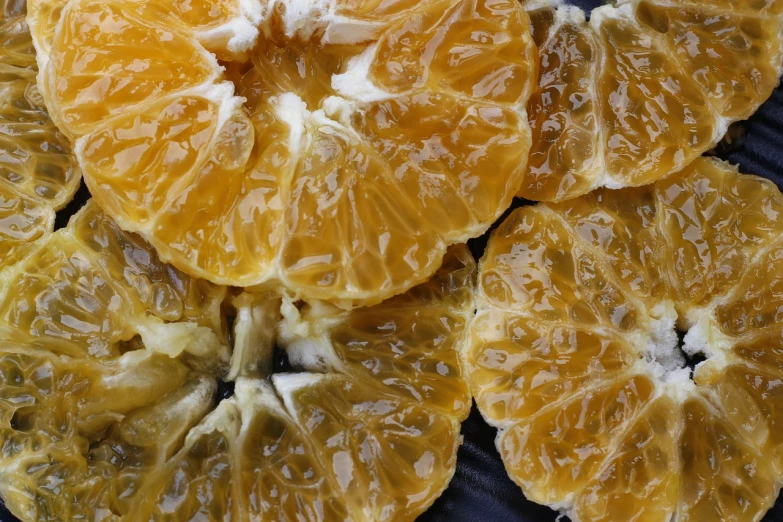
(481, 491)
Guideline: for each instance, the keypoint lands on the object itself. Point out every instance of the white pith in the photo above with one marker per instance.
(173, 339)
(355, 84)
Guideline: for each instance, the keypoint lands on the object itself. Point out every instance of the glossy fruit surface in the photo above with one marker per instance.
(336, 147)
(110, 364)
(38, 174)
(574, 352)
(643, 88)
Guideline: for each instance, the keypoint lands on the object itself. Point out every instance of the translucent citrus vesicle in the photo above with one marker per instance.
(38, 175)
(642, 88)
(366, 139)
(107, 358)
(574, 352)
(109, 373)
(90, 287)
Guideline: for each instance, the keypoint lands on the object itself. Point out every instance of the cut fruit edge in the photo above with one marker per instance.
(652, 343)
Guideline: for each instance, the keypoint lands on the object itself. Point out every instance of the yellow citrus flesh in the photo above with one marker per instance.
(643, 88)
(37, 173)
(574, 351)
(367, 139)
(109, 367)
(90, 287)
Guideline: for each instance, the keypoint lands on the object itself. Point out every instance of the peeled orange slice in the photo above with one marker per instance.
(354, 142)
(574, 351)
(38, 175)
(90, 289)
(642, 88)
(109, 369)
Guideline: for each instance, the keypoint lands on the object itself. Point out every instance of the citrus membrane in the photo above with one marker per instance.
(642, 88)
(575, 354)
(337, 147)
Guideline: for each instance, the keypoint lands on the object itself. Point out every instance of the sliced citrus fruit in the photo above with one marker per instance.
(574, 353)
(642, 88)
(38, 175)
(100, 421)
(93, 397)
(91, 287)
(367, 139)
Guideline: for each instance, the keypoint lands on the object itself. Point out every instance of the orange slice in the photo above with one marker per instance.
(91, 288)
(367, 139)
(38, 175)
(575, 356)
(109, 369)
(643, 88)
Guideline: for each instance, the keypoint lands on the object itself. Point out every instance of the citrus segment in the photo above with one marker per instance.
(751, 399)
(764, 351)
(22, 222)
(657, 121)
(444, 143)
(38, 175)
(349, 224)
(415, 369)
(74, 450)
(118, 63)
(735, 84)
(640, 481)
(642, 88)
(35, 159)
(479, 49)
(722, 478)
(360, 432)
(122, 158)
(42, 18)
(217, 210)
(93, 287)
(695, 261)
(622, 226)
(56, 292)
(534, 265)
(280, 473)
(198, 483)
(724, 220)
(355, 175)
(756, 302)
(555, 453)
(562, 114)
(164, 291)
(523, 366)
(17, 48)
(368, 430)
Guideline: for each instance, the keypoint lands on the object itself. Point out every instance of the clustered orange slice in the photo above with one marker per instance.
(643, 88)
(326, 158)
(367, 139)
(111, 363)
(38, 175)
(574, 353)
(109, 368)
